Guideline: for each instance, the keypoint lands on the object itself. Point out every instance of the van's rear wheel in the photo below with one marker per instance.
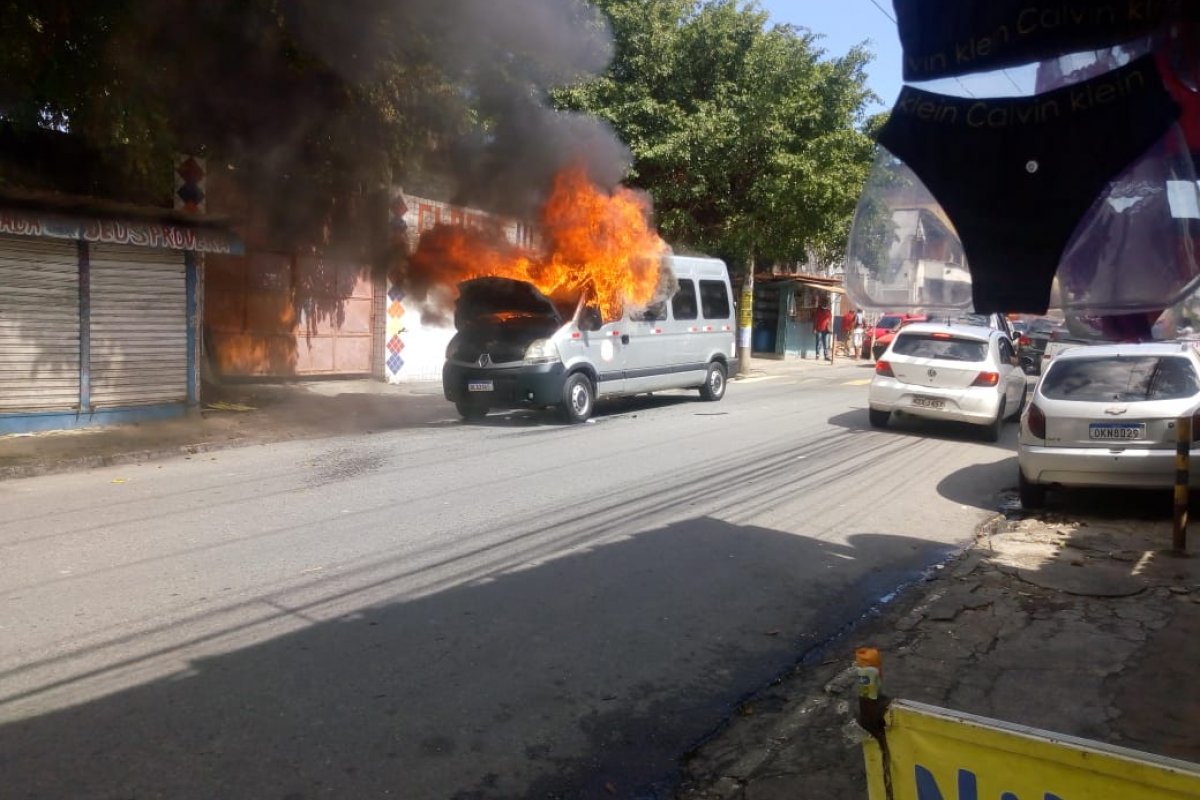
(471, 409)
(578, 398)
(714, 382)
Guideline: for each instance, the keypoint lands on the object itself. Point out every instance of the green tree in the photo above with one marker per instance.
(311, 102)
(748, 138)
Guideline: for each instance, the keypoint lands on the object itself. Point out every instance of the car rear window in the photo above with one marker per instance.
(939, 345)
(1123, 378)
(887, 323)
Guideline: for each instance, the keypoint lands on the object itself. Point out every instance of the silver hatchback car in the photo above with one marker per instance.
(961, 373)
(1105, 415)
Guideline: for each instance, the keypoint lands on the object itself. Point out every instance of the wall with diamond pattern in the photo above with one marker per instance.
(414, 350)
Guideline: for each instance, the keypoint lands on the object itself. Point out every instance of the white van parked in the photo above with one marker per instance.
(516, 348)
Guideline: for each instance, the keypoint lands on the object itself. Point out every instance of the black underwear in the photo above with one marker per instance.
(943, 38)
(1016, 175)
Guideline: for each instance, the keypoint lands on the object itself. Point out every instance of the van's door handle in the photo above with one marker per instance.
(625, 338)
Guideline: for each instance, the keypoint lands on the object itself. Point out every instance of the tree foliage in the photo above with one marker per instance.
(748, 138)
(309, 100)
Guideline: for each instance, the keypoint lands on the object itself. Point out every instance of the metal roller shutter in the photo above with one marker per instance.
(138, 326)
(39, 324)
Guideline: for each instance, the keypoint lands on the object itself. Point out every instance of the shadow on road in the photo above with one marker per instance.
(989, 481)
(901, 424)
(580, 673)
(1113, 504)
(604, 411)
(964, 486)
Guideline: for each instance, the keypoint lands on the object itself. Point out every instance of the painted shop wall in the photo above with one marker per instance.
(277, 314)
(294, 308)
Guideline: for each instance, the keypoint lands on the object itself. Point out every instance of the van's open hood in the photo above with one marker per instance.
(482, 297)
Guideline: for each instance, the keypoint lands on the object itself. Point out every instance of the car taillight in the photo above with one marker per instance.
(986, 379)
(1035, 418)
(1024, 341)
(885, 369)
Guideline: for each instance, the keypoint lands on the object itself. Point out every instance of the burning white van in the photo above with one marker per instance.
(515, 347)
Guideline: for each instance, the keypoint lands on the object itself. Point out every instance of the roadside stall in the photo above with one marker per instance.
(783, 306)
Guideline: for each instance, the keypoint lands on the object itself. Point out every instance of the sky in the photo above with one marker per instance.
(845, 23)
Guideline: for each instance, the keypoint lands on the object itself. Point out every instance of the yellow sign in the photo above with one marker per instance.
(935, 754)
(745, 309)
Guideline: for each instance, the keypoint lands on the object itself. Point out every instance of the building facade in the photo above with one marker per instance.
(99, 315)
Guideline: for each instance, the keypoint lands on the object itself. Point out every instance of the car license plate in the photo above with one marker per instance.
(929, 402)
(479, 386)
(1117, 431)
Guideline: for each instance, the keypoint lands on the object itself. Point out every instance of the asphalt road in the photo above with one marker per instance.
(511, 609)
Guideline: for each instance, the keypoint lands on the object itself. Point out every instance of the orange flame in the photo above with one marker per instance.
(590, 238)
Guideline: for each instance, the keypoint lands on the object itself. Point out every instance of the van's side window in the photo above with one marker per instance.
(652, 312)
(714, 300)
(683, 304)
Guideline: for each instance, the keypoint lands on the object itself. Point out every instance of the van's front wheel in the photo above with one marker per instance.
(471, 410)
(578, 398)
(714, 382)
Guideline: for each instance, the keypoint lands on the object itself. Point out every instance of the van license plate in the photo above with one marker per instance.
(479, 386)
(1109, 431)
(929, 402)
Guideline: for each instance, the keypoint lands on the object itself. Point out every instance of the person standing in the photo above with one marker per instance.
(822, 325)
(847, 332)
(858, 331)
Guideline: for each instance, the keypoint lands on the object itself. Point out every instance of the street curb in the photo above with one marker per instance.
(17, 471)
(795, 368)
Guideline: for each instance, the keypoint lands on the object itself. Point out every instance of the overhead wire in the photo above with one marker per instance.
(883, 11)
(892, 19)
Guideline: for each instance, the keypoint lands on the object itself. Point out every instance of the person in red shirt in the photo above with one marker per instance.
(822, 327)
(847, 332)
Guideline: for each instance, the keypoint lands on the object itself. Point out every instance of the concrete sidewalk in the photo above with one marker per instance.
(244, 414)
(1078, 623)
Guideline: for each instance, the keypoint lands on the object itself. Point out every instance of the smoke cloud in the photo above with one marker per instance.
(504, 57)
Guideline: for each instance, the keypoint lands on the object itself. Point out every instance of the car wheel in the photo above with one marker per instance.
(879, 419)
(1032, 495)
(578, 398)
(714, 382)
(991, 431)
(472, 409)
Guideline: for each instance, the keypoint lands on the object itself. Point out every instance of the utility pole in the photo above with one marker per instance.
(746, 320)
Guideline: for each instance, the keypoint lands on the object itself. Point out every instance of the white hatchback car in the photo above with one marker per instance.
(963, 373)
(1105, 415)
